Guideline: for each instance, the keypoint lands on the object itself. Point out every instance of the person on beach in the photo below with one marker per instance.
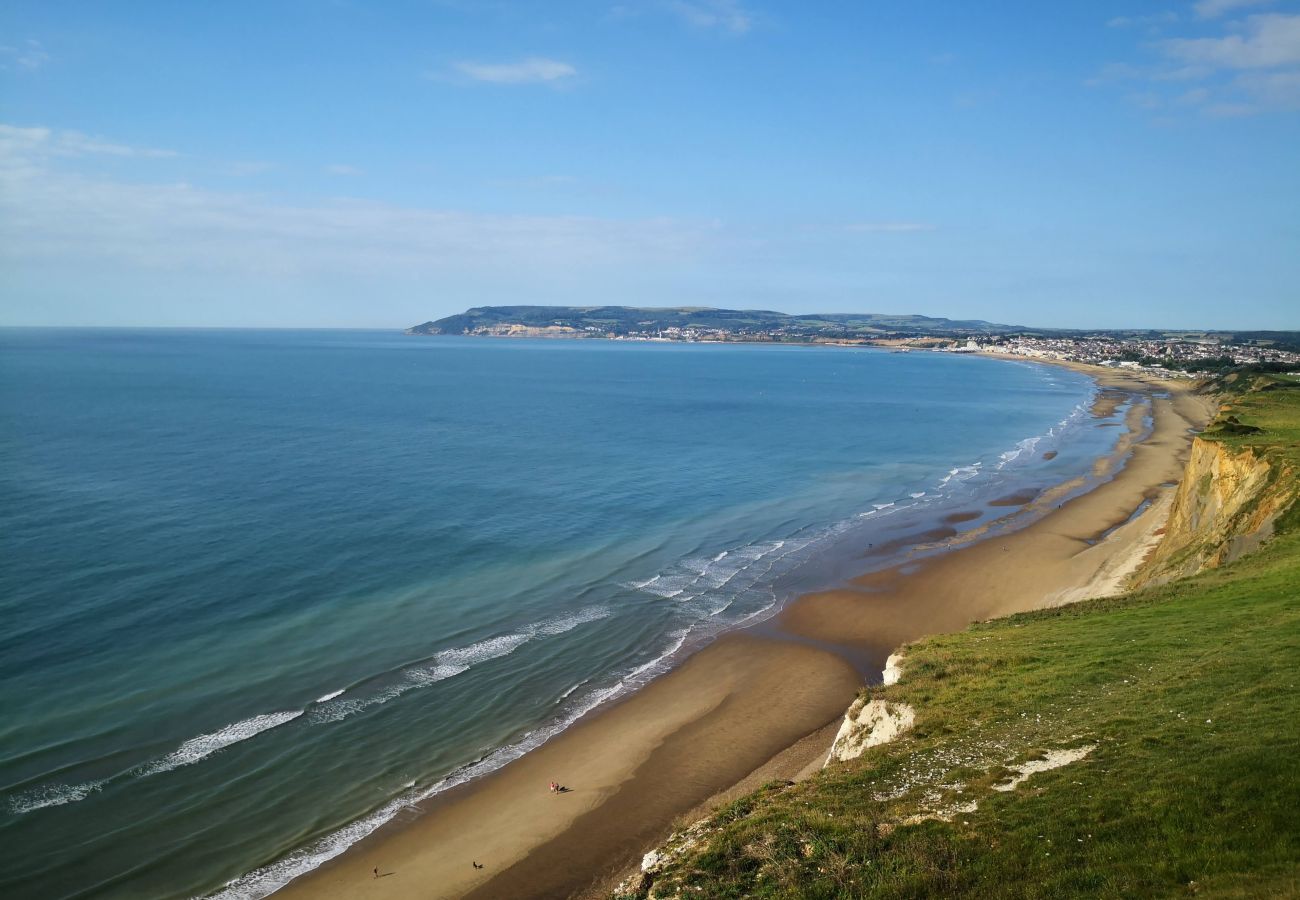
(555, 787)
(376, 871)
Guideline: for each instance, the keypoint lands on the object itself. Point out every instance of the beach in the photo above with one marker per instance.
(336, 638)
(763, 703)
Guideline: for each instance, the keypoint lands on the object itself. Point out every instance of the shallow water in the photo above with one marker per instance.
(264, 588)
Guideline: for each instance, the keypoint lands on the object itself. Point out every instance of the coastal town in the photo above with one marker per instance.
(1161, 356)
(1192, 352)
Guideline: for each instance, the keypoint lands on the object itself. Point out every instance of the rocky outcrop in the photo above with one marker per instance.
(1225, 506)
(641, 883)
(893, 669)
(867, 724)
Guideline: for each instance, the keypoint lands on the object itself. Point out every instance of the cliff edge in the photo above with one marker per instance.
(1238, 482)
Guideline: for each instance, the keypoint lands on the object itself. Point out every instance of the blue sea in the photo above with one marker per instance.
(263, 589)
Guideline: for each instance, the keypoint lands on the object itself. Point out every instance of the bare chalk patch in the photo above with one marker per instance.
(1053, 759)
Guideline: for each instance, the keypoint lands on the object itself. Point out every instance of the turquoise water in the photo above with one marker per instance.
(262, 588)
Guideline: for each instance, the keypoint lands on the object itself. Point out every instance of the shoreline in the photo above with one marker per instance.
(763, 702)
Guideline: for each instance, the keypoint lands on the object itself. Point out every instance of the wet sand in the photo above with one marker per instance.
(630, 770)
(1019, 498)
(763, 703)
(1059, 558)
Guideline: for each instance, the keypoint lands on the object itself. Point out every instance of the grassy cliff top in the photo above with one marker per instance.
(1188, 695)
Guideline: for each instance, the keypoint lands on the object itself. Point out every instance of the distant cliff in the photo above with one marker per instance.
(693, 322)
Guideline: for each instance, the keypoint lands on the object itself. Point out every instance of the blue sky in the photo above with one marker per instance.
(317, 163)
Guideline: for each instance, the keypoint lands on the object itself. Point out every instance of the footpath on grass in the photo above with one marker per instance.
(1143, 745)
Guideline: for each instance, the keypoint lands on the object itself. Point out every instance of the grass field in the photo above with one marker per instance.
(1185, 697)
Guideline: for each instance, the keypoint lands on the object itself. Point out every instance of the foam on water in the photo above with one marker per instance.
(191, 751)
(562, 624)
(205, 745)
(268, 879)
(327, 708)
(53, 795)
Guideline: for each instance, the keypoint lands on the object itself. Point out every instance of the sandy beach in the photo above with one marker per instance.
(763, 703)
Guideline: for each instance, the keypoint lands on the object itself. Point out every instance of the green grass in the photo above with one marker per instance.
(1189, 691)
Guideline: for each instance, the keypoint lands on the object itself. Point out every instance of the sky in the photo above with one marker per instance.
(339, 163)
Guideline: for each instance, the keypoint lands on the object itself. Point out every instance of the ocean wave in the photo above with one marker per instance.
(53, 795)
(205, 745)
(561, 624)
(189, 752)
(330, 707)
(693, 577)
(567, 693)
(262, 882)
(961, 473)
(450, 663)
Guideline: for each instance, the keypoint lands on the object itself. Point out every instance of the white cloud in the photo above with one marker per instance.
(1152, 20)
(342, 170)
(535, 69)
(1252, 66)
(1194, 97)
(1212, 9)
(1274, 90)
(245, 168)
(47, 142)
(1182, 73)
(51, 214)
(724, 15)
(28, 55)
(1265, 41)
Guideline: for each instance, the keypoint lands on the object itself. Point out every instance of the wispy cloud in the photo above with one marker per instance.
(1212, 9)
(723, 15)
(48, 142)
(1252, 66)
(534, 70)
(245, 169)
(888, 226)
(342, 170)
(1277, 90)
(1168, 17)
(51, 213)
(30, 55)
(1265, 41)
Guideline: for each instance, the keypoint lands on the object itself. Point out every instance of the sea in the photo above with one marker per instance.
(265, 590)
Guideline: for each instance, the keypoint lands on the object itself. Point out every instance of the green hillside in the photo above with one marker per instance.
(623, 320)
(1188, 695)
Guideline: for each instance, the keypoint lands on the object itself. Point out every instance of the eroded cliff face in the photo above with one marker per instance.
(1225, 506)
